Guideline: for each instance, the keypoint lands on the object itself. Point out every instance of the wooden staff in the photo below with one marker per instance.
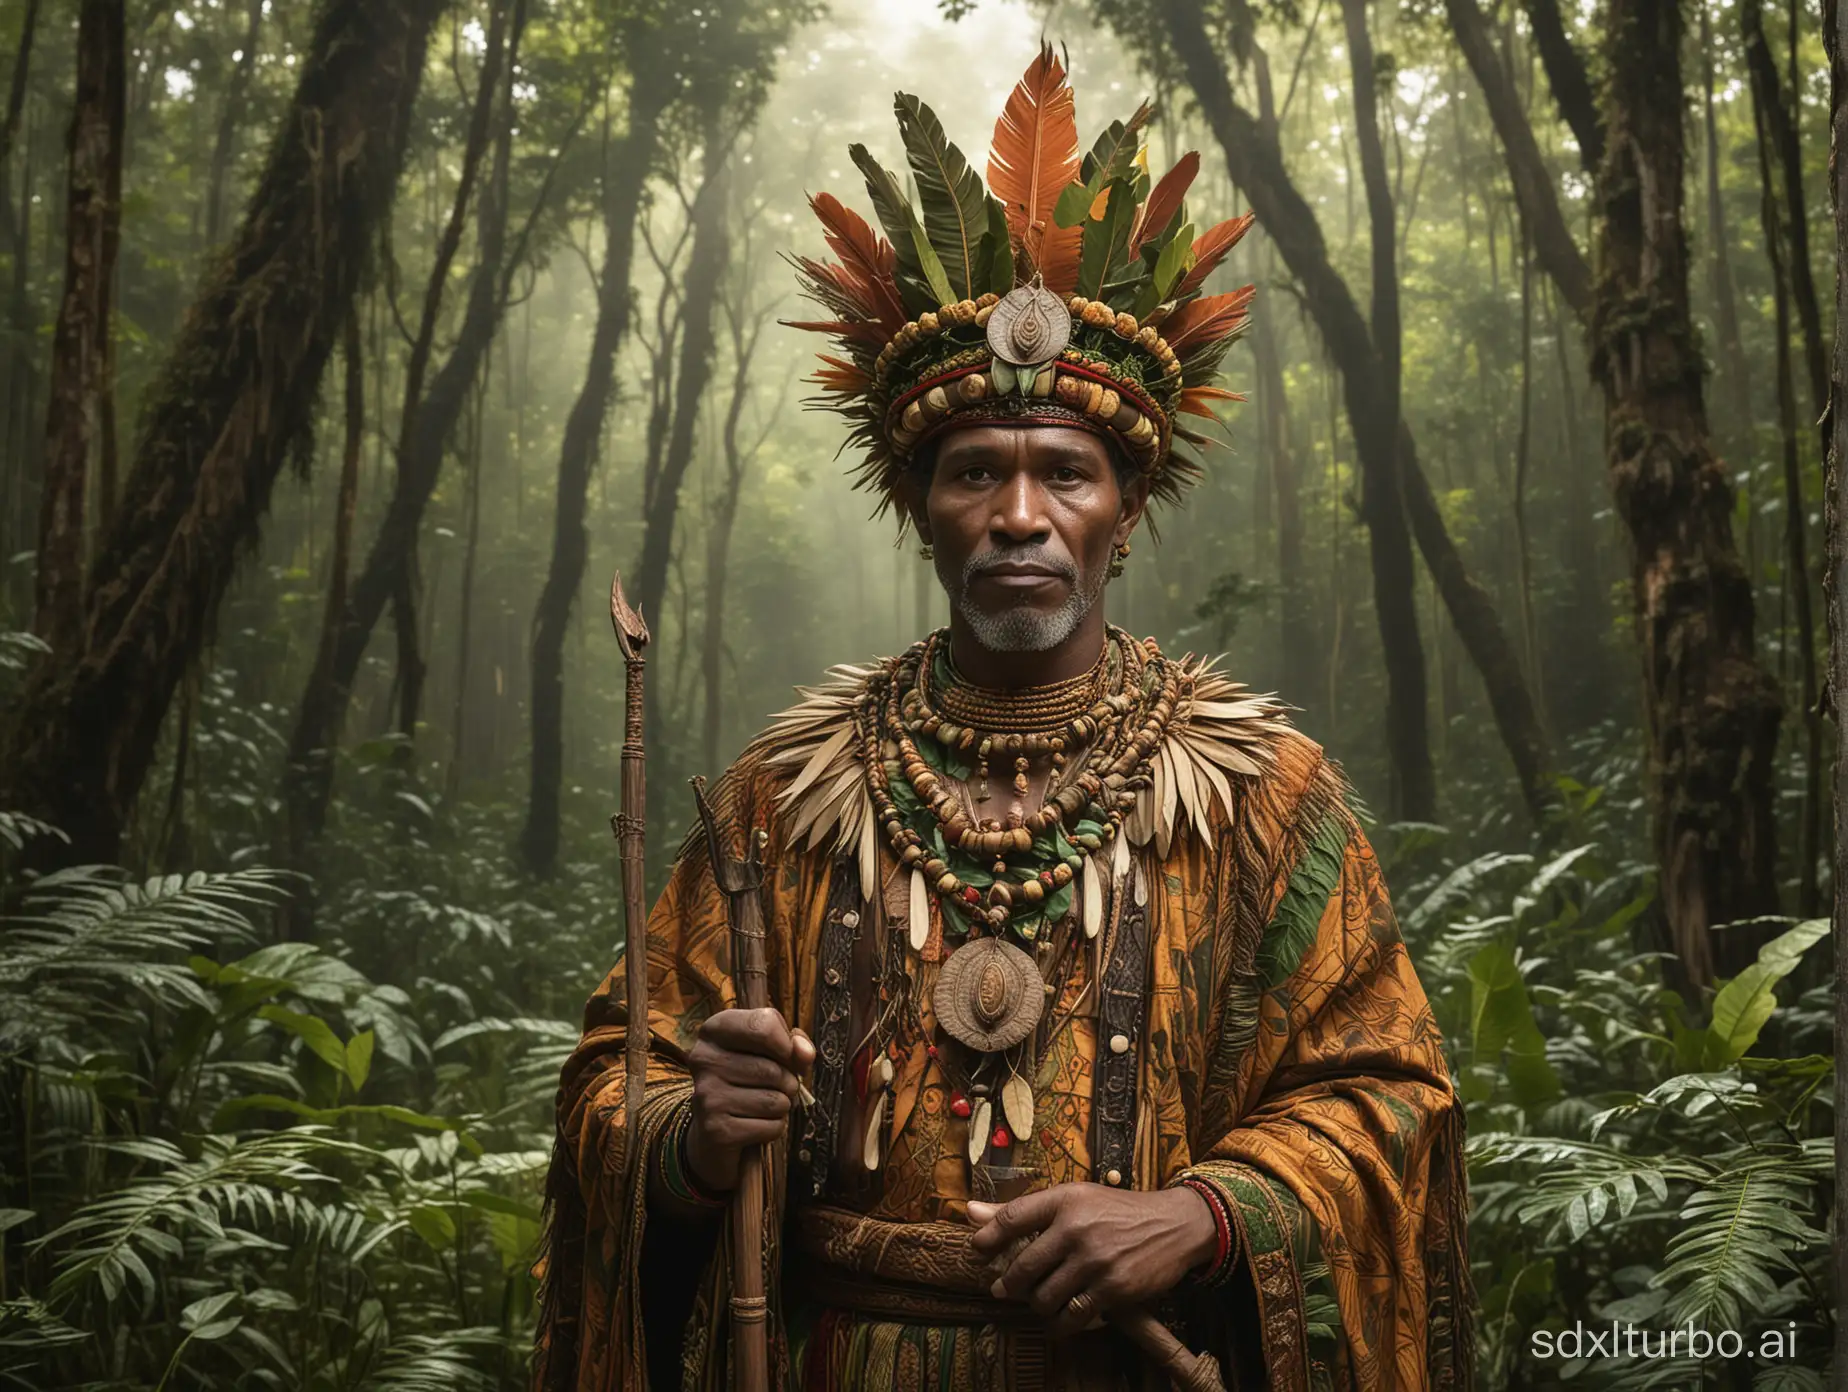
(1187, 1371)
(740, 881)
(630, 828)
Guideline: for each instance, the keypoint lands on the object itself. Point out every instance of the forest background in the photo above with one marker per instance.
(346, 350)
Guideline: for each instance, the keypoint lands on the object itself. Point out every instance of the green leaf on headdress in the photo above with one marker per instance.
(955, 215)
(1113, 155)
(922, 284)
(1106, 240)
(1074, 205)
(1002, 376)
(1171, 263)
(997, 252)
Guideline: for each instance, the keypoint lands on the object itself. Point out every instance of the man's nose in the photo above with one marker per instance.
(1020, 512)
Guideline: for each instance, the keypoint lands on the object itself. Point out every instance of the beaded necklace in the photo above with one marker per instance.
(1015, 877)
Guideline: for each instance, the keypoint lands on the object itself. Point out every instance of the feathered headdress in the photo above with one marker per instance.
(1067, 290)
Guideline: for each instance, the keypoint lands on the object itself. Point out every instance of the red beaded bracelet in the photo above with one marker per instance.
(1222, 1230)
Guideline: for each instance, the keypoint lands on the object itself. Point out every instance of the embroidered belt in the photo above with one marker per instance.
(833, 1011)
(1123, 1009)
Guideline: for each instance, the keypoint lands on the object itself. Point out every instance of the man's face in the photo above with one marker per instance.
(1023, 520)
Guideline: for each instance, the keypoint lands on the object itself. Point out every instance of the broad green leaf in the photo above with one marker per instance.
(1502, 1023)
(1175, 260)
(918, 288)
(312, 1031)
(203, 1314)
(434, 1226)
(490, 1202)
(1106, 241)
(950, 193)
(230, 1110)
(11, 1218)
(359, 1058)
(1748, 1000)
(998, 251)
(1074, 205)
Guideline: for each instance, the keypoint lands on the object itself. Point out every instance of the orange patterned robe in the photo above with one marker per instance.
(1291, 1059)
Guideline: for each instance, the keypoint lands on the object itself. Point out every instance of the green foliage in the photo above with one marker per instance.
(1625, 1166)
(258, 1167)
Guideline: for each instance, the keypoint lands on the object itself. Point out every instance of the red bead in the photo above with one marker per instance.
(959, 1105)
(1001, 1139)
(930, 1051)
(971, 895)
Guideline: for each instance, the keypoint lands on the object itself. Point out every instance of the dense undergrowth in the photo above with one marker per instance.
(233, 1161)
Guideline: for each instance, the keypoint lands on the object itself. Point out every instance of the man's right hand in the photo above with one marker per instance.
(747, 1069)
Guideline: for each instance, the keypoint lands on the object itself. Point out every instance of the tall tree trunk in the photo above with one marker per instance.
(1523, 449)
(1780, 129)
(465, 618)
(299, 852)
(737, 459)
(1712, 711)
(237, 393)
(1796, 509)
(1300, 643)
(1256, 166)
(1719, 264)
(626, 179)
(1565, 74)
(1533, 183)
(1835, 439)
(79, 348)
(230, 115)
(427, 421)
(1382, 494)
(19, 527)
(699, 299)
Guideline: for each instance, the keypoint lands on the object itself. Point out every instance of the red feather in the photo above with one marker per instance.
(866, 255)
(1033, 157)
(1164, 202)
(1211, 249)
(1205, 320)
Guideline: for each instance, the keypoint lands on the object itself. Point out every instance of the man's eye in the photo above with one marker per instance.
(1066, 474)
(976, 473)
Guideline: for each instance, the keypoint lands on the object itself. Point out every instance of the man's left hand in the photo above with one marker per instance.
(1118, 1248)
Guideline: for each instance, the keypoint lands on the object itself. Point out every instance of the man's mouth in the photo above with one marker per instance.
(1013, 576)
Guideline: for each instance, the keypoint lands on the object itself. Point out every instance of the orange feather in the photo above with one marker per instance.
(1210, 250)
(866, 255)
(1196, 400)
(852, 331)
(1033, 158)
(840, 377)
(1206, 319)
(1164, 202)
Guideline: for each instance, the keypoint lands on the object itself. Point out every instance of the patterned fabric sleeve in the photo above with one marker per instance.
(1344, 1175)
(594, 1271)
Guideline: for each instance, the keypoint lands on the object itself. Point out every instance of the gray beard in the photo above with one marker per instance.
(1024, 628)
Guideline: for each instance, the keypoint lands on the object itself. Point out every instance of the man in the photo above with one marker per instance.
(1088, 997)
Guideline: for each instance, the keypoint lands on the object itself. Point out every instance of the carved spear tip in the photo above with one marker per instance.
(631, 629)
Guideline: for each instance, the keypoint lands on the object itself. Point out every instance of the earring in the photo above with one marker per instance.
(927, 552)
(1116, 561)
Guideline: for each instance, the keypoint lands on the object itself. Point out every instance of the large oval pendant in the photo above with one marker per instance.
(988, 995)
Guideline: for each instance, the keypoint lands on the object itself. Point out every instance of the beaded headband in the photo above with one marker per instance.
(1068, 290)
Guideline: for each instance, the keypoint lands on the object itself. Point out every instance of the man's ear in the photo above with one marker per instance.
(913, 500)
(1135, 503)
